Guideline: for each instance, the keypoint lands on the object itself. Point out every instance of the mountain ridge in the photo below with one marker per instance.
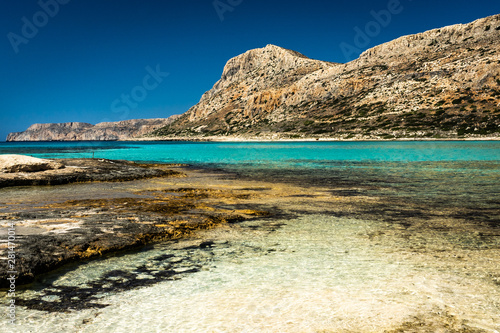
(78, 131)
(441, 83)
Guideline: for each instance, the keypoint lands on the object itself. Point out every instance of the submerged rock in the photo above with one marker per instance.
(52, 233)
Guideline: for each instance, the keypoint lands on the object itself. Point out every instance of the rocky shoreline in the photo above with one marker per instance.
(277, 138)
(119, 205)
(51, 231)
(34, 171)
(63, 232)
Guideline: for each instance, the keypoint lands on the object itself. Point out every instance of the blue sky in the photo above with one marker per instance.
(78, 60)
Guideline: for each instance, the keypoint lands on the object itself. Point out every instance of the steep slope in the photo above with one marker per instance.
(121, 130)
(440, 83)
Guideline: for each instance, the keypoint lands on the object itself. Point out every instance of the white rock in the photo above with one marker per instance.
(22, 163)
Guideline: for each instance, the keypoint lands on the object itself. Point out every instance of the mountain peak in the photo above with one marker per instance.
(255, 70)
(440, 83)
(279, 49)
(269, 59)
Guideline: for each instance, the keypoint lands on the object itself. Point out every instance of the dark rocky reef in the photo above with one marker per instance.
(83, 170)
(51, 235)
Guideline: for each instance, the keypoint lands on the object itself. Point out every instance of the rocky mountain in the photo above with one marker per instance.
(443, 83)
(121, 130)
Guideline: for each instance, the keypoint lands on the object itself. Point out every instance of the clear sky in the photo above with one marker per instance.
(109, 60)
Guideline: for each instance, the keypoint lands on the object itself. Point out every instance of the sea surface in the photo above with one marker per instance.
(454, 172)
(424, 255)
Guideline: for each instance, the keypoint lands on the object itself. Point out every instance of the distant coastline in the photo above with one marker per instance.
(233, 139)
(236, 139)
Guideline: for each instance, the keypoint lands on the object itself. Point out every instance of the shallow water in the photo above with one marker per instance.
(278, 154)
(316, 273)
(381, 236)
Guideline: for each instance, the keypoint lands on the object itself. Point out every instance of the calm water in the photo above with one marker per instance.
(452, 172)
(308, 154)
(322, 271)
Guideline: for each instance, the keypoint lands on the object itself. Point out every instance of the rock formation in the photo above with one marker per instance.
(121, 130)
(443, 83)
(440, 83)
(22, 163)
(20, 170)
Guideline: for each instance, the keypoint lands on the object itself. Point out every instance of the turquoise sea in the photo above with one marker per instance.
(455, 172)
(283, 154)
(414, 247)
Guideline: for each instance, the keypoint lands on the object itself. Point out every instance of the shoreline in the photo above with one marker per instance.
(70, 222)
(222, 139)
(174, 202)
(239, 139)
(76, 170)
(82, 223)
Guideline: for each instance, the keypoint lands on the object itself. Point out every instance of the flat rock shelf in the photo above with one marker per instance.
(18, 170)
(56, 225)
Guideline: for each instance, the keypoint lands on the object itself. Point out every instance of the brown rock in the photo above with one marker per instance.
(443, 82)
(106, 131)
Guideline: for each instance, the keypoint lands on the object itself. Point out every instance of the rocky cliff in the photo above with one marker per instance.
(121, 130)
(443, 83)
(440, 83)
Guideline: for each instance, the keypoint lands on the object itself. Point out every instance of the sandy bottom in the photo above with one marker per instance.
(309, 271)
(315, 274)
